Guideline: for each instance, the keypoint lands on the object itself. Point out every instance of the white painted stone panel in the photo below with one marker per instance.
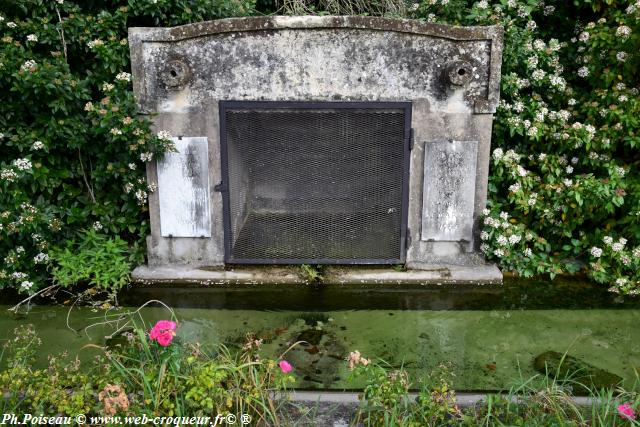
(449, 190)
(183, 186)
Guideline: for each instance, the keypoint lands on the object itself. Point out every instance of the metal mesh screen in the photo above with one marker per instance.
(313, 184)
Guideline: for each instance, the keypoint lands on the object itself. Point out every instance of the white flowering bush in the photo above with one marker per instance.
(566, 136)
(72, 149)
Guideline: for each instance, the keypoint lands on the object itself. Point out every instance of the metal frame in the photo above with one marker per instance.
(223, 106)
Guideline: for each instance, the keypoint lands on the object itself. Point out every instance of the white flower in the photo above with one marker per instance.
(483, 4)
(37, 145)
(567, 182)
(41, 258)
(106, 87)
(636, 252)
(499, 253)
(141, 195)
(97, 226)
(484, 248)
(88, 106)
(22, 164)
(132, 166)
(497, 153)
(484, 235)
(514, 238)
(415, 6)
(163, 134)
(486, 212)
(32, 38)
(583, 71)
(539, 44)
(94, 43)
(518, 106)
(572, 101)
(623, 31)
(621, 56)
(532, 199)
(26, 285)
(8, 175)
(504, 215)
(558, 82)
(596, 252)
(621, 281)
(146, 157)
(19, 249)
(617, 247)
(620, 170)
(123, 76)
(531, 25)
(607, 240)
(623, 98)
(574, 160)
(532, 61)
(625, 260)
(542, 156)
(621, 86)
(12, 24)
(569, 169)
(514, 187)
(115, 131)
(583, 36)
(128, 187)
(622, 241)
(538, 75)
(29, 65)
(527, 252)
(521, 171)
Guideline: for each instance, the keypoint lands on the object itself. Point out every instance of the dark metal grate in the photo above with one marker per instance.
(321, 183)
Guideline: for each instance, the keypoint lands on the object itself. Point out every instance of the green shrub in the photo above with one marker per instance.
(72, 148)
(97, 260)
(564, 185)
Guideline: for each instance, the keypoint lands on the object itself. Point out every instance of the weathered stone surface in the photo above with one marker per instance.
(449, 74)
(449, 190)
(183, 186)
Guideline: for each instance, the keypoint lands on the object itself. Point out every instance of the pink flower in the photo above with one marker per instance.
(163, 332)
(285, 366)
(165, 338)
(626, 411)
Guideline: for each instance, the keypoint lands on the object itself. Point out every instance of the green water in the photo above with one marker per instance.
(487, 346)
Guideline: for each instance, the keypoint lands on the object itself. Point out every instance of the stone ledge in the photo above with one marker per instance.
(334, 275)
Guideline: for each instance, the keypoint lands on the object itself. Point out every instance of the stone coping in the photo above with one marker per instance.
(139, 35)
(332, 275)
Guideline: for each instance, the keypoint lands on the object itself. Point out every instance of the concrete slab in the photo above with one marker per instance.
(337, 275)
